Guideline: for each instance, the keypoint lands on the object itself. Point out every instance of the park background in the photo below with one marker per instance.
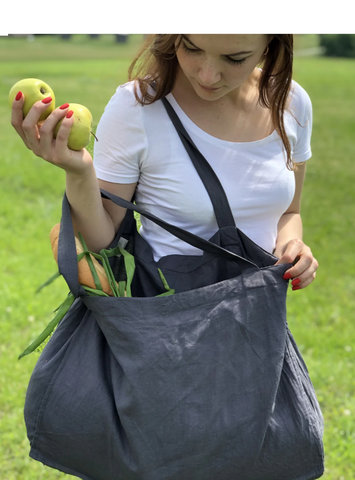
(88, 70)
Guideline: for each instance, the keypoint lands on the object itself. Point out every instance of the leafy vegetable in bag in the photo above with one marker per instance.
(96, 278)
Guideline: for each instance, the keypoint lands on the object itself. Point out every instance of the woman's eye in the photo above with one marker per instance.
(235, 62)
(187, 49)
(228, 59)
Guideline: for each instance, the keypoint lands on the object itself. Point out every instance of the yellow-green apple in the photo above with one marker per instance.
(79, 136)
(33, 90)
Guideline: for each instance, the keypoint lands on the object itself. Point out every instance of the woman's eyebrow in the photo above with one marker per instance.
(226, 55)
(185, 38)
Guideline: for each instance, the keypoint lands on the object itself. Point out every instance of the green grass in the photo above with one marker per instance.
(321, 317)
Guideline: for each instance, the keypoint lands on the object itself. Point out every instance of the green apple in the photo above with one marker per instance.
(79, 136)
(33, 90)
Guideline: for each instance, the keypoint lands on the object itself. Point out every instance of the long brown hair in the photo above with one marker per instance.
(157, 61)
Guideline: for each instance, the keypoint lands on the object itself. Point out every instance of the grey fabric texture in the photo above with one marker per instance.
(205, 384)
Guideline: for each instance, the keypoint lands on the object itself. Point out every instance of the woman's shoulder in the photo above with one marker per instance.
(299, 100)
(123, 112)
(124, 95)
(125, 99)
(124, 105)
(129, 92)
(298, 122)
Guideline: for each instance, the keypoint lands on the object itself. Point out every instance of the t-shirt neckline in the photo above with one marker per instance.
(190, 125)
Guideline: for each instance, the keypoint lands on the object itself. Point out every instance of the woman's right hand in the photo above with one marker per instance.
(39, 138)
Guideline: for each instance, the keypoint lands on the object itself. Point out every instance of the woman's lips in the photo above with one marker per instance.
(209, 89)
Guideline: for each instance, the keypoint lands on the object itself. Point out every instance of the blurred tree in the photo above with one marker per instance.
(65, 36)
(94, 35)
(338, 45)
(121, 38)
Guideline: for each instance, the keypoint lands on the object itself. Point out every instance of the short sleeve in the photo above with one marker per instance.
(304, 115)
(122, 142)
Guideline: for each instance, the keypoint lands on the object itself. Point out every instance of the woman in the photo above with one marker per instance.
(201, 384)
(252, 124)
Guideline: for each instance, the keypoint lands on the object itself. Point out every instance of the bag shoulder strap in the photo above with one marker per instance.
(67, 258)
(221, 207)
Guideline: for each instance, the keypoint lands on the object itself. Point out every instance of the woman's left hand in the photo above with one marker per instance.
(305, 265)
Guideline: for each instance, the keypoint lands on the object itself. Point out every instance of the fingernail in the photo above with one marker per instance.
(287, 276)
(296, 288)
(47, 100)
(64, 106)
(69, 114)
(295, 282)
(18, 96)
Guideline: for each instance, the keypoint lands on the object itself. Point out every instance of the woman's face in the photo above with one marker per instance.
(215, 65)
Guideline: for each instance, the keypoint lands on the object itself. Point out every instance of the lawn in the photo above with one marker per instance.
(321, 317)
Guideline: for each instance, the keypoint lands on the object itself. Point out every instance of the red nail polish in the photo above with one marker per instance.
(296, 288)
(63, 107)
(18, 96)
(47, 100)
(287, 276)
(69, 114)
(295, 282)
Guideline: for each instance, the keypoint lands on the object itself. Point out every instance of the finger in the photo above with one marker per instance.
(306, 277)
(29, 125)
(306, 265)
(300, 268)
(61, 144)
(298, 284)
(17, 115)
(47, 127)
(292, 251)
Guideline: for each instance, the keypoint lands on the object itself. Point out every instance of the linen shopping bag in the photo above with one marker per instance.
(205, 384)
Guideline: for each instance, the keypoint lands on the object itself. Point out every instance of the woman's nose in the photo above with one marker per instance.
(208, 73)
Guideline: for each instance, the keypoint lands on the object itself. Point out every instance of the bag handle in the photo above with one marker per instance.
(67, 257)
(221, 207)
(184, 235)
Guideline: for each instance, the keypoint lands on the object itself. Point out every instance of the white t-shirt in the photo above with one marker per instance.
(140, 144)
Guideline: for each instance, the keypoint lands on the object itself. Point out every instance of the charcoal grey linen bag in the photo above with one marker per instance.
(205, 384)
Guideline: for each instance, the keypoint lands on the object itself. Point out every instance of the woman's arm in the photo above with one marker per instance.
(94, 218)
(97, 219)
(289, 245)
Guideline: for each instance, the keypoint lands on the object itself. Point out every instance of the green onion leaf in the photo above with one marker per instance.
(165, 294)
(109, 273)
(49, 281)
(95, 293)
(80, 256)
(130, 266)
(163, 279)
(61, 311)
(90, 263)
